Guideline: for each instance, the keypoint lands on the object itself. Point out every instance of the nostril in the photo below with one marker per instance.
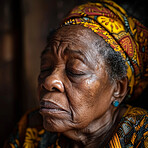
(57, 86)
(53, 85)
(51, 88)
(55, 89)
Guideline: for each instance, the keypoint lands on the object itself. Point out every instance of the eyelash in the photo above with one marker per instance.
(74, 73)
(69, 72)
(49, 69)
(45, 71)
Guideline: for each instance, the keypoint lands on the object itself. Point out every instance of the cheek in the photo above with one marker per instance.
(91, 101)
(89, 92)
(103, 100)
(84, 100)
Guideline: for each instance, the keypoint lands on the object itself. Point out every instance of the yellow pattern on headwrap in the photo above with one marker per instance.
(124, 34)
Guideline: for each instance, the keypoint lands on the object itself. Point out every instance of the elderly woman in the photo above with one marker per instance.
(94, 61)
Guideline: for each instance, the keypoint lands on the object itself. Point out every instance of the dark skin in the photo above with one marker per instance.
(75, 91)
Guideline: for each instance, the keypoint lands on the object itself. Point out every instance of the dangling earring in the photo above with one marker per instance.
(116, 103)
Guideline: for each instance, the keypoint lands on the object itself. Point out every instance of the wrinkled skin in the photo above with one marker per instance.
(75, 91)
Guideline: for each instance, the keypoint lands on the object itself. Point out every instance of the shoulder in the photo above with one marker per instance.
(135, 111)
(133, 127)
(136, 118)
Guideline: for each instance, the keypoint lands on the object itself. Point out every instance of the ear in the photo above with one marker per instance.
(120, 90)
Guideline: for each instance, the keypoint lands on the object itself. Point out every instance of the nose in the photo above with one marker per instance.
(53, 83)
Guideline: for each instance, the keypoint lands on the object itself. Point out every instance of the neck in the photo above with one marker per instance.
(95, 133)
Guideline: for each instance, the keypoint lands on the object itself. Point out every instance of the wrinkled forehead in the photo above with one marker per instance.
(76, 34)
(76, 38)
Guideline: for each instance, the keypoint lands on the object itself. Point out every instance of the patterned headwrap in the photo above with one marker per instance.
(123, 33)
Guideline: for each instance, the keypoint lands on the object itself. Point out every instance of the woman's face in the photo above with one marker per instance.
(74, 87)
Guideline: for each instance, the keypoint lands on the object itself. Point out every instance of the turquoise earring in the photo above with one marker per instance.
(116, 103)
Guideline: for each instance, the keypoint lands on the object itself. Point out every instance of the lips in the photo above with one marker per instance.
(48, 106)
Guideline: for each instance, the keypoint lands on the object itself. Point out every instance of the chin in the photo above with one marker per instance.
(55, 125)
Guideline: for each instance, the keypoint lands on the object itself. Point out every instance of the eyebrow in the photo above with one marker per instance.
(83, 58)
(74, 51)
(48, 49)
(77, 52)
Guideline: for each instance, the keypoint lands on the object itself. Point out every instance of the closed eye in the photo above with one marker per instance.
(74, 73)
(46, 69)
(45, 72)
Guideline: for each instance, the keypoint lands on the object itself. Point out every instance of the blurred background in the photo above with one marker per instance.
(24, 26)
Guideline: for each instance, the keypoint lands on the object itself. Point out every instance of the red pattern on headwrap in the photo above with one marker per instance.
(123, 33)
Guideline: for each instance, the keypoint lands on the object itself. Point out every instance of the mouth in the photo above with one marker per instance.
(50, 107)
